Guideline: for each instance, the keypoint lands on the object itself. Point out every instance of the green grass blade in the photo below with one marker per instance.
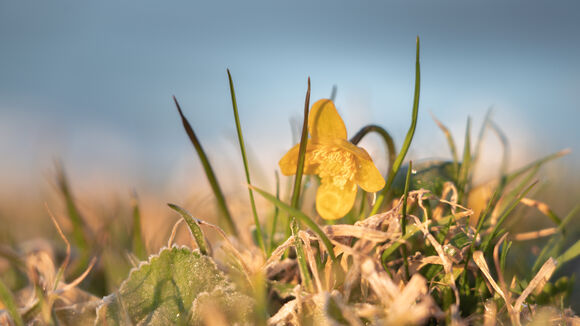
(276, 213)
(451, 144)
(302, 151)
(292, 211)
(208, 171)
(302, 263)
(504, 215)
(138, 244)
(404, 217)
(260, 236)
(571, 253)
(391, 150)
(464, 171)
(478, 144)
(408, 138)
(506, 148)
(550, 249)
(78, 225)
(536, 164)
(389, 250)
(333, 93)
(8, 300)
(194, 228)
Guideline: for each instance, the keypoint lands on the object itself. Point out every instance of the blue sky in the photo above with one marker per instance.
(91, 82)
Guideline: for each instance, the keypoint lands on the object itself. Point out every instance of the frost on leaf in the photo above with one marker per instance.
(163, 290)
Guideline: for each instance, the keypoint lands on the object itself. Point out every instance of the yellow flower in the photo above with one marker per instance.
(340, 164)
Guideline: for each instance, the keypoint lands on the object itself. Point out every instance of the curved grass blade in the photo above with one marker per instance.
(292, 211)
(8, 300)
(245, 159)
(408, 138)
(386, 137)
(208, 171)
(194, 228)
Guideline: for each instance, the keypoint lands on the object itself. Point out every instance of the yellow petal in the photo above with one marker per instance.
(368, 176)
(289, 162)
(333, 202)
(324, 121)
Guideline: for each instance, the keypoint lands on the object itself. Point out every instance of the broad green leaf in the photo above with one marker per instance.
(163, 290)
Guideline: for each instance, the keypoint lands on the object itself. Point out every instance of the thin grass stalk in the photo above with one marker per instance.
(295, 228)
(478, 144)
(275, 217)
(259, 234)
(404, 217)
(506, 148)
(333, 93)
(505, 214)
(464, 171)
(408, 138)
(78, 225)
(208, 171)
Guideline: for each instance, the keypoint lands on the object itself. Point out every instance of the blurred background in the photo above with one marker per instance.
(89, 84)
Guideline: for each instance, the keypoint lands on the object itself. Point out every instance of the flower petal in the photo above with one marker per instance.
(368, 176)
(289, 162)
(324, 121)
(333, 202)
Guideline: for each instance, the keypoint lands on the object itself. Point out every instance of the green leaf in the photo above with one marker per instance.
(163, 290)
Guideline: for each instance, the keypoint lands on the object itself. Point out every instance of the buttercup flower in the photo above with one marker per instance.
(340, 164)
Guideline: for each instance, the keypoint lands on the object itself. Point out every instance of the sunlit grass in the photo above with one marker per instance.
(417, 254)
